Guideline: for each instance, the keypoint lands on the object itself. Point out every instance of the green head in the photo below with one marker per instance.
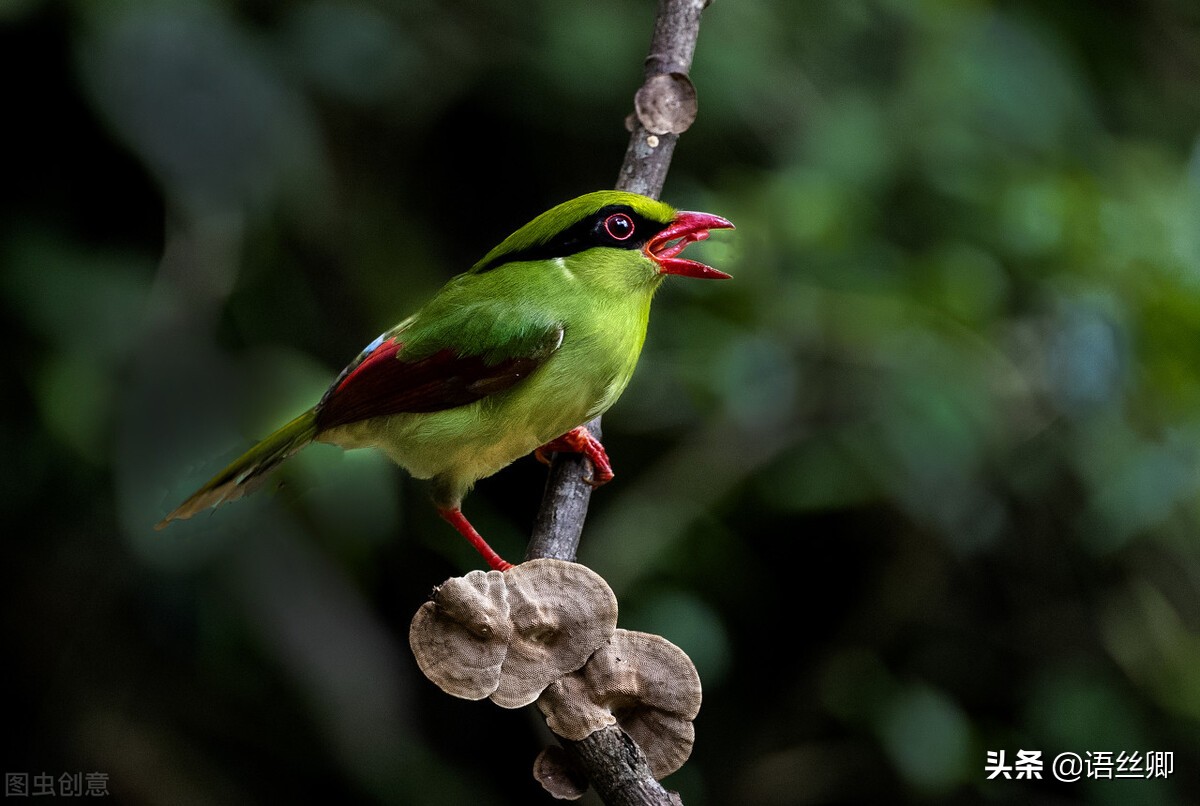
(613, 237)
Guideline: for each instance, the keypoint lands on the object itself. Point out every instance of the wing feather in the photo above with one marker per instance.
(383, 381)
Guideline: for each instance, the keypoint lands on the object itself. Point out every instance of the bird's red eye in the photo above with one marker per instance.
(619, 226)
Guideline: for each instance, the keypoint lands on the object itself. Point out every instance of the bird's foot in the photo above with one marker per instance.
(580, 440)
(459, 521)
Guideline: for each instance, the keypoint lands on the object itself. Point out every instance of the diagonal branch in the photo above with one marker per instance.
(614, 764)
(564, 507)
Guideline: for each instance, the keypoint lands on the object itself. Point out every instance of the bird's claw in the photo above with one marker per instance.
(580, 440)
(601, 474)
(594, 482)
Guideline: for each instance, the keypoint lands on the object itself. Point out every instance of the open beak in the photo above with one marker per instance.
(687, 227)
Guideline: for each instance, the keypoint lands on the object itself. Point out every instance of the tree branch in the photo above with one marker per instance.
(617, 769)
(559, 522)
(614, 764)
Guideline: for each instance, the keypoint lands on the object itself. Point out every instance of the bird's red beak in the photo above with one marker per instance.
(686, 228)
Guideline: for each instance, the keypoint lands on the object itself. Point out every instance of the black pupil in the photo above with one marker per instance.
(619, 226)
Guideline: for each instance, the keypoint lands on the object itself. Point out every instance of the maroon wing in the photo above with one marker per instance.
(381, 382)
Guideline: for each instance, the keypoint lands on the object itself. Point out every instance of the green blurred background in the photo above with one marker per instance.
(921, 482)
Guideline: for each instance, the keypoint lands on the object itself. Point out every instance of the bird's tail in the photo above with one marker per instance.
(241, 476)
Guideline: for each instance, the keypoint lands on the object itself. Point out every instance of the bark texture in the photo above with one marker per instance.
(614, 764)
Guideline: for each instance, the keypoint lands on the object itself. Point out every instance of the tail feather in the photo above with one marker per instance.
(244, 473)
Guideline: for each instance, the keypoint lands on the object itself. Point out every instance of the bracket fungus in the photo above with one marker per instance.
(558, 774)
(666, 103)
(641, 682)
(507, 635)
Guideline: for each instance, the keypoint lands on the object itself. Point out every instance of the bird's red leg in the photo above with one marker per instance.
(580, 440)
(456, 519)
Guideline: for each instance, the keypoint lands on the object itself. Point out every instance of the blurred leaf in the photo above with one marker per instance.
(928, 738)
(196, 98)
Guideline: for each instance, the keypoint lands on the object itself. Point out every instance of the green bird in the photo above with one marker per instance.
(508, 358)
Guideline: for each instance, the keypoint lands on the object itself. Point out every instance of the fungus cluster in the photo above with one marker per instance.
(507, 635)
(641, 682)
(545, 631)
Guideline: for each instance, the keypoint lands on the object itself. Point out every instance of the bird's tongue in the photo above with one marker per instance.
(687, 228)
